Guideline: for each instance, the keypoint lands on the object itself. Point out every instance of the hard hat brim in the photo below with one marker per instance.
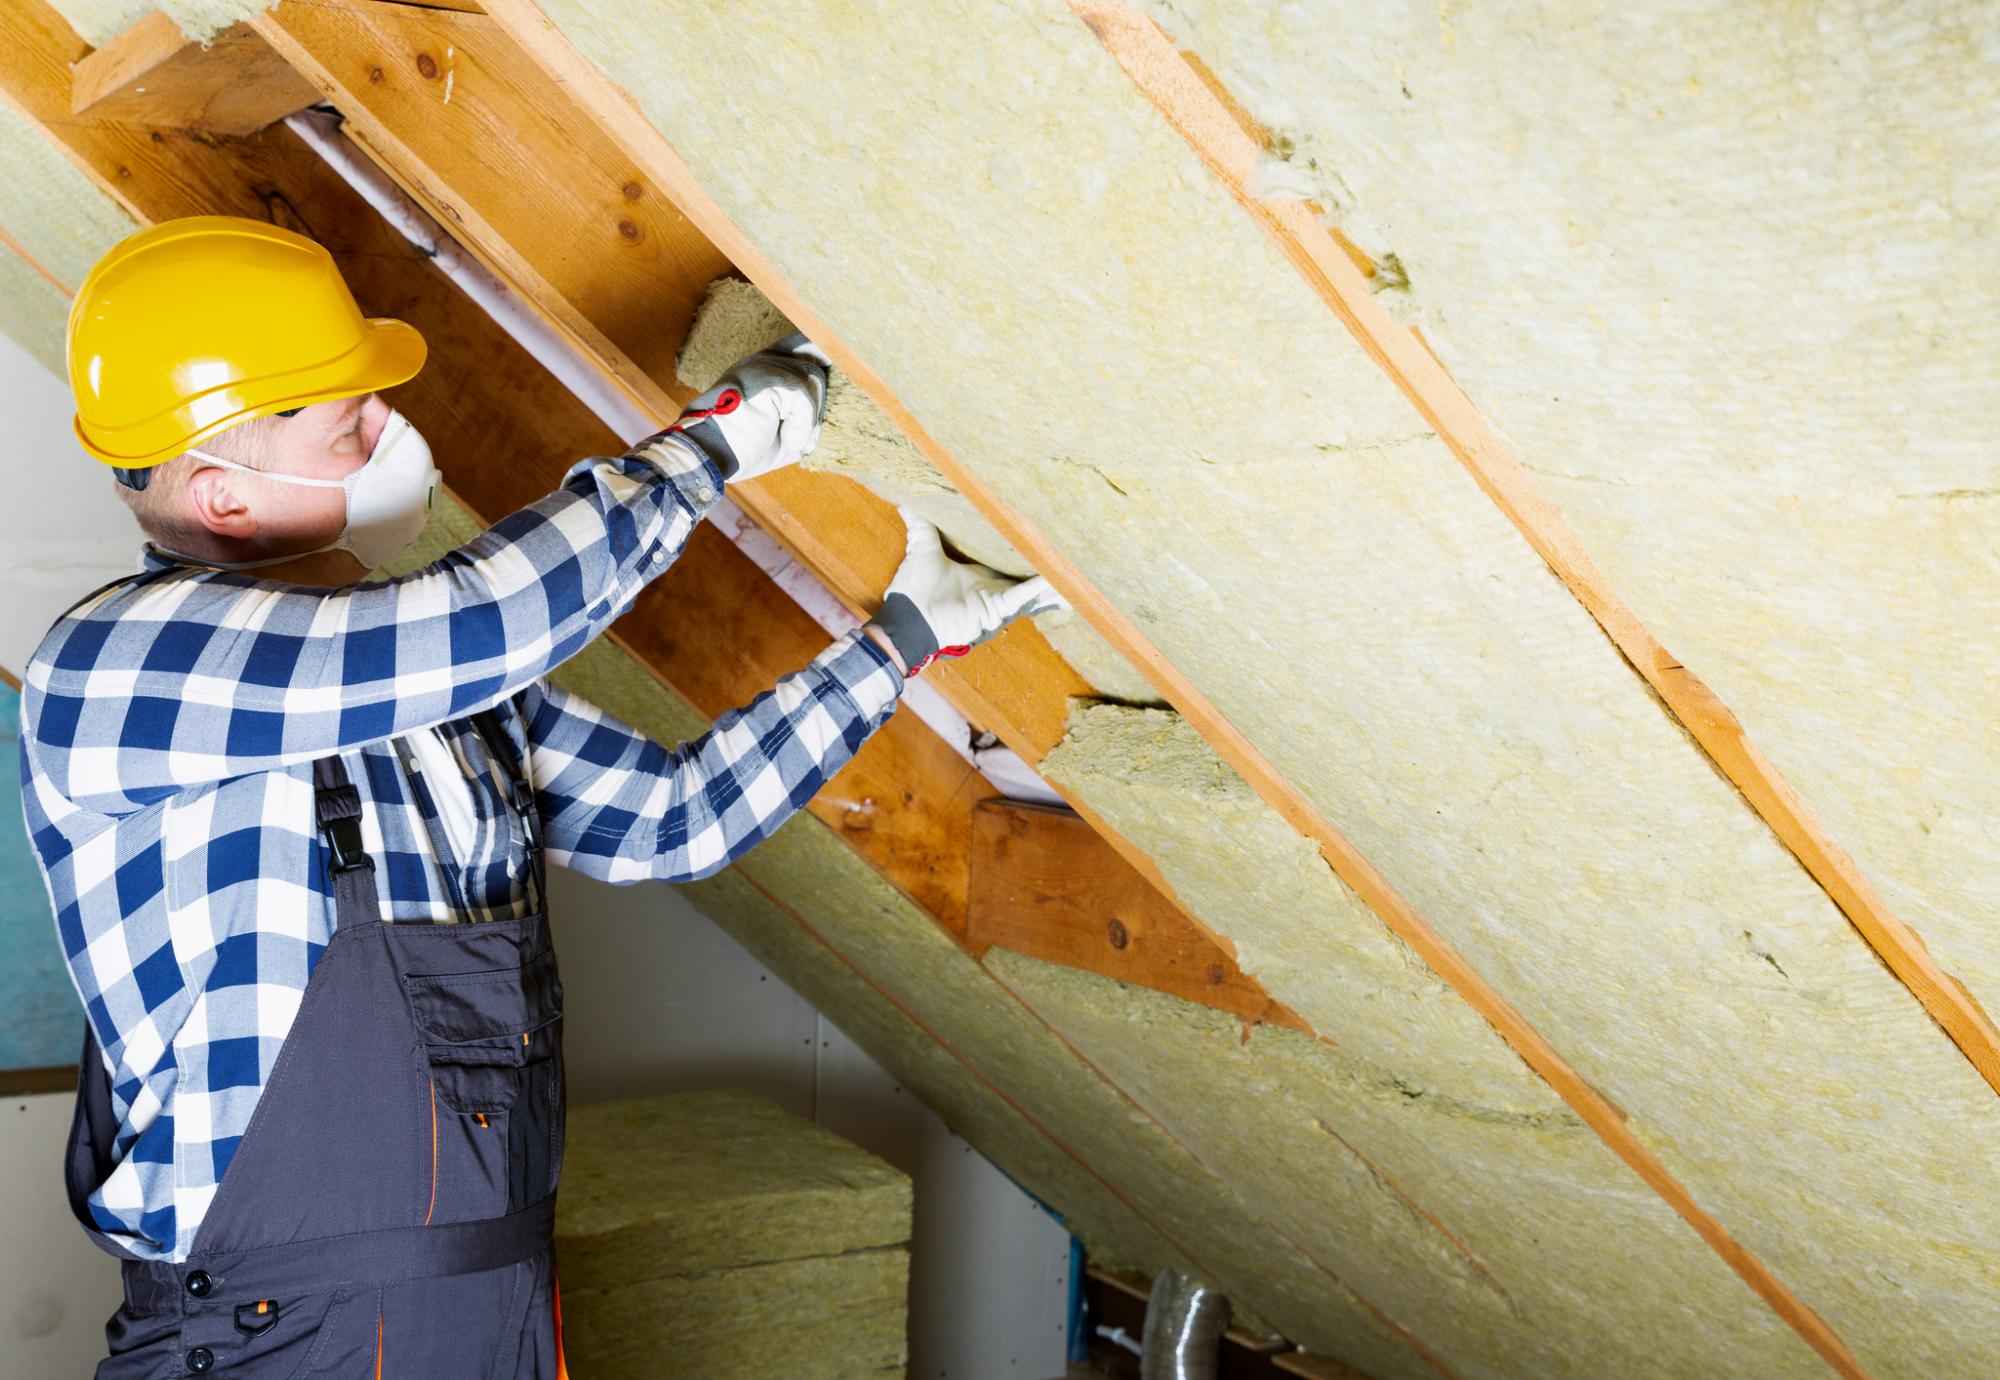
(390, 352)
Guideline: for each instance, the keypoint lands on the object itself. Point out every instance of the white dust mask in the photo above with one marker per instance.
(388, 498)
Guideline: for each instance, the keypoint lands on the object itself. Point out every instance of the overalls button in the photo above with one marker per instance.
(200, 1359)
(199, 1284)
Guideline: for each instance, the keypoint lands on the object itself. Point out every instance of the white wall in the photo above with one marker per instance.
(63, 531)
(658, 1000)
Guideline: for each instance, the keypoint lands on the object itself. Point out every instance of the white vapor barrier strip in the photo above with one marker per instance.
(1003, 769)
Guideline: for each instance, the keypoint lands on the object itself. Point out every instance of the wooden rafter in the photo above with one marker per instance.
(620, 117)
(1045, 884)
(152, 74)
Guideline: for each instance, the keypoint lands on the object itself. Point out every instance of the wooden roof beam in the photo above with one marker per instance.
(1045, 884)
(152, 74)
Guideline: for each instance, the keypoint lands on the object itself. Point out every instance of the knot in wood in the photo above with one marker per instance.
(427, 65)
(1120, 936)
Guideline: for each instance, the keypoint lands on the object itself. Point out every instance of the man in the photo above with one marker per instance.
(293, 822)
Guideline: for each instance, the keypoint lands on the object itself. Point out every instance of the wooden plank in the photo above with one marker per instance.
(27, 1082)
(435, 95)
(151, 74)
(589, 238)
(1045, 884)
(620, 117)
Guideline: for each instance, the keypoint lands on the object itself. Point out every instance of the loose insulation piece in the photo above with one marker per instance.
(859, 442)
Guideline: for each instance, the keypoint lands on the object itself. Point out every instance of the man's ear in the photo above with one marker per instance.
(214, 503)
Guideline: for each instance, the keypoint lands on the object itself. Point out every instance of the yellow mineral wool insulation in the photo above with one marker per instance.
(820, 1318)
(1115, 1235)
(703, 1182)
(1725, 277)
(33, 311)
(871, 924)
(859, 442)
(1416, 1082)
(714, 1234)
(100, 21)
(1509, 1240)
(1131, 364)
(52, 210)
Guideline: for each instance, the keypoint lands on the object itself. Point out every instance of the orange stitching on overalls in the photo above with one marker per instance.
(434, 1154)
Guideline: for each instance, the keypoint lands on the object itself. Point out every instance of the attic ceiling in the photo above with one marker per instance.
(1597, 760)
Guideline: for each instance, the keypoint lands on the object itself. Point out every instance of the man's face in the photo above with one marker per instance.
(328, 440)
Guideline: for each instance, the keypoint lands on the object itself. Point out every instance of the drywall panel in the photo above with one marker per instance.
(1523, 1246)
(991, 214)
(925, 972)
(1726, 276)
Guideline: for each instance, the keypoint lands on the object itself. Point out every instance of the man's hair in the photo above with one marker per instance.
(161, 508)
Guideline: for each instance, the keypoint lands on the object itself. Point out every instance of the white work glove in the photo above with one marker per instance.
(764, 413)
(937, 606)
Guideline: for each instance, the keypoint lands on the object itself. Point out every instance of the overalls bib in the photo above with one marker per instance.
(389, 1211)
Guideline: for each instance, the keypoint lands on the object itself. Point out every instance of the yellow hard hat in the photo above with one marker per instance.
(194, 325)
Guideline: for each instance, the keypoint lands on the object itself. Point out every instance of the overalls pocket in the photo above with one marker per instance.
(490, 1040)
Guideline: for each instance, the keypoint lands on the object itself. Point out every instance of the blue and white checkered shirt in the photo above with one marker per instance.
(168, 731)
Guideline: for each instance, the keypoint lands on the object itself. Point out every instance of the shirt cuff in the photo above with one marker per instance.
(686, 467)
(865, 672)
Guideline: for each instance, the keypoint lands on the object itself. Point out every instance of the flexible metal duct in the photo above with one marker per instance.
(1184, 1326)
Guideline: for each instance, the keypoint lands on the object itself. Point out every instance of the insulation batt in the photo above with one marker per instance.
(713, 1234)
(57, 214)
(1524, 1246)
(989, 212)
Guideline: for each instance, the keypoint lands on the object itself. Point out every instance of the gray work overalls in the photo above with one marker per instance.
(389, 1211)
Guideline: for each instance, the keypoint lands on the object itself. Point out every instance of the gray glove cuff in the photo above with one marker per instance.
(904, 622)
(704, 435)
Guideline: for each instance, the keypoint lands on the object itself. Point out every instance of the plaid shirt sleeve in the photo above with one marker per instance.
(204, 675)
(620, 807)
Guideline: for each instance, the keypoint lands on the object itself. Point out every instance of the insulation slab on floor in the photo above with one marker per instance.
(713, 1234)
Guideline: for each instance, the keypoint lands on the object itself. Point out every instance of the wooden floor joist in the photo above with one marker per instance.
(1232, 146)
(619, 116)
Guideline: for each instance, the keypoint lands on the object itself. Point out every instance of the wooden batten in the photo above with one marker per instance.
(152, 74)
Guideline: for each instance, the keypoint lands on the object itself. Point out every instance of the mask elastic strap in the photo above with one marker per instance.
(269, 474)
